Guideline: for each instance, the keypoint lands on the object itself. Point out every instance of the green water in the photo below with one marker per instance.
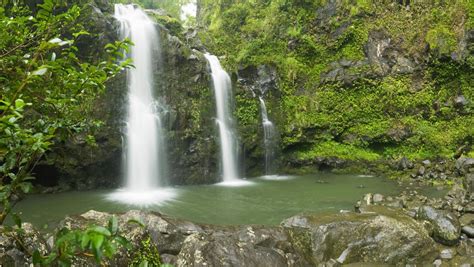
(262, 202)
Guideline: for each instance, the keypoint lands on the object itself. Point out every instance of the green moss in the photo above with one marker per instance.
(247, 112)
(146, 255)
(172, 24)
(374, 116)
(338, 150)
(441, 39)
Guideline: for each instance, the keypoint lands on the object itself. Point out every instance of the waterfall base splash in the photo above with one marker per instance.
(235, 183)
(143, 198)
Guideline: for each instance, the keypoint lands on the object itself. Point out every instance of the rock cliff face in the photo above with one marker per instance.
(182, 82)
(347, 85)
(350, 81)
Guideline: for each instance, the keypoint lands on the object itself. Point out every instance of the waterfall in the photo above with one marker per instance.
(225, 121)
(268, 139)
(145, 157)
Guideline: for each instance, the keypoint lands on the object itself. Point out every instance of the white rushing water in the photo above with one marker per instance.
(145, 147)
(268, 139)
(225, 121)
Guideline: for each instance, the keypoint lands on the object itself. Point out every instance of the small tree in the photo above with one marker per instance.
(47, 91)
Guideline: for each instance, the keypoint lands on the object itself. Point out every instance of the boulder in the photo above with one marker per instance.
(447, 254)
(404, 164)
(249, 246)
(377, 198)
(466, 219)
(464, 165)
(445, 225)
(383, 236)
(469, 183)
(460, 101)
(468, 230)
(166, 233)
(11, 253)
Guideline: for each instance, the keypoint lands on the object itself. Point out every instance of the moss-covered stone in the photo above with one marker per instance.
(374, 80)
(383, 236)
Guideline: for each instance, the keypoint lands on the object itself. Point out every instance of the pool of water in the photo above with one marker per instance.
(264, 200)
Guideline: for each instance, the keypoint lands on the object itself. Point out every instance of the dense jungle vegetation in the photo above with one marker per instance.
(336, 97)
(358, 80)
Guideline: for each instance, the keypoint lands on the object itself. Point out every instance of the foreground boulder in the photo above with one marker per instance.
(445, 225)
(380, 236)
(249, 246)
(17, 245)
(384, 236)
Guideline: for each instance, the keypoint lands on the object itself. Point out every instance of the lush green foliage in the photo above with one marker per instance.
(48, 93)
(147, 255)
(95, 241)
(374, 116)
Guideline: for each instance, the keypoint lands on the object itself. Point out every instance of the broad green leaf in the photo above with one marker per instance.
(37, 259)
(19, 103)
(100, 230)
(85, 241)
(97, 242)
(80, 33)
(113, 224)
(41, 71)
(55, 41)
(136, 221)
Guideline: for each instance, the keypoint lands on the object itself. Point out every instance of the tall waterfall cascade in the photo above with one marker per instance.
(145, 153)
(225, 121)
(268, 139)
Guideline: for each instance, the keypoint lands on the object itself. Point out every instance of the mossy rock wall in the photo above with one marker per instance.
(182, 84)
(356, 80)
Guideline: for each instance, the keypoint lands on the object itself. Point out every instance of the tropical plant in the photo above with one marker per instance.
(95, 241)
(48, 92)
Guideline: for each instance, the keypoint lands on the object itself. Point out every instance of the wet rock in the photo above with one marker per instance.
(468, 230)
(166, 233)
(466, 219)
(464, 165)
(377, 198)
(11, 253)
(426, 162)
(469, 183)
(446, 254)
(382, 236)
(421, 170)
(246, 247)
(404, 164)
(446, 227)
(469, 208)
(455, 197)
(332, 263)
(259, 80)
(168, 259)
(460, 101)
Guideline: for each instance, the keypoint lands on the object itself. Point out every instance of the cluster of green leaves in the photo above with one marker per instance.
(48, 93)
(303, 42)
(338, 150)
(95, 241)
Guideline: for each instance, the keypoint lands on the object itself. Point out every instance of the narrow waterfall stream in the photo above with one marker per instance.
(268, 139)
(145, 159)
(225, 121)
